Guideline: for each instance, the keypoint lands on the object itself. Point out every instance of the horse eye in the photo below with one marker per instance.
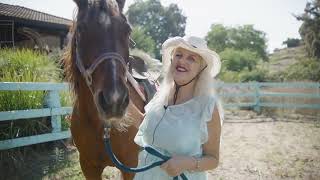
(81, 28)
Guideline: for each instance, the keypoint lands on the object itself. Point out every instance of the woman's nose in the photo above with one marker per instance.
(182, 60)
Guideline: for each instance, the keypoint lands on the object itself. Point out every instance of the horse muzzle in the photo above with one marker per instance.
(112, 104)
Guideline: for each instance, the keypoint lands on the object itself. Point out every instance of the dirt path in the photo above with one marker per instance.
(253, 147)
(269, 150)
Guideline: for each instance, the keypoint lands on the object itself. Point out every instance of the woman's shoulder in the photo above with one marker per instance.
(207, 100)
(209, 103)
(152, 102)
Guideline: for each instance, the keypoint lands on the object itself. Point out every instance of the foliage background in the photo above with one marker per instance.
(23, 65)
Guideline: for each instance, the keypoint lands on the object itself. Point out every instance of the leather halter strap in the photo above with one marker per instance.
(87, 73)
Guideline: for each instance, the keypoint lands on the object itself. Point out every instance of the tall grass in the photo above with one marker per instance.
(24, 66)
(66, 99)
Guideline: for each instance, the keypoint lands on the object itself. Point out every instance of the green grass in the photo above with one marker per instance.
(22, 65)
(288, 53)
(66, 99)
(25, 66)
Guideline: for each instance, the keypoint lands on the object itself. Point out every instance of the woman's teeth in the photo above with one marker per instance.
(181, 69)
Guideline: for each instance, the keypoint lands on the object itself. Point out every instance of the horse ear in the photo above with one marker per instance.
(81, 3)
(121, 4)
(103, 4)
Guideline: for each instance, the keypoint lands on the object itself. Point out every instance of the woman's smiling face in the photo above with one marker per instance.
(185, 65)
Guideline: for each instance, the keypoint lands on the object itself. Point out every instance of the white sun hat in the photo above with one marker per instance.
(193, 44)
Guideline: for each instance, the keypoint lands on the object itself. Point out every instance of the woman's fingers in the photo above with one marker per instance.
(170, 168)
(164, 166)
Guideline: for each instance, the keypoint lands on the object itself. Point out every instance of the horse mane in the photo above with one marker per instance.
(70, 69)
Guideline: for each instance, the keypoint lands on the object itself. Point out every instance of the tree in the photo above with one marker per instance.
(240, 38)
(238, 60)
(217, 37)
(310, 28)
(143, 41)
(246, 37)
(158, 22)
(291, 42)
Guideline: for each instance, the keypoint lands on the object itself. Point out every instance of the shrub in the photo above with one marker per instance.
(237, 60)
(307, 69)
(143, 41)
(24, 66)
(258, 75)
(292, 42)
(229, 76)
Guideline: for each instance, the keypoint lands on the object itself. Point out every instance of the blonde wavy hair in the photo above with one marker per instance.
(203, 85)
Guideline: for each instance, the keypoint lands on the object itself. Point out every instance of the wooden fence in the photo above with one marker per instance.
(259, 92)
(53, 109)
(255, 91)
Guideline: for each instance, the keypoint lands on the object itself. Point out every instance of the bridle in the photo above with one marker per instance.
(87, 74)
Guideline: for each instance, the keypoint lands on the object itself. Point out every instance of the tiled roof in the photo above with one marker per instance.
(30, 14)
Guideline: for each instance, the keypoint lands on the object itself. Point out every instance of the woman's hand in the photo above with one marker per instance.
(177, 165)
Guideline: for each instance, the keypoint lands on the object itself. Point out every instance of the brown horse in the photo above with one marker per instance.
(95, 65)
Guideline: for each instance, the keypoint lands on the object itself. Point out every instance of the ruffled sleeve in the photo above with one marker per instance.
(138, 139)
(210, 105)
(151, 103)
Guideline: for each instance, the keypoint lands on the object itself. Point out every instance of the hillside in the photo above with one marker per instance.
(283, 58)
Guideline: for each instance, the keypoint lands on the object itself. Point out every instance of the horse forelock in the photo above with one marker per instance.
(70, 68)
(113, 7)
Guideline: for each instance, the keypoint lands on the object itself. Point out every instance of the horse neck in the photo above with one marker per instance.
(136, 98)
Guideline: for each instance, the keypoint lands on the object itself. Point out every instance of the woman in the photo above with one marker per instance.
(184, 118)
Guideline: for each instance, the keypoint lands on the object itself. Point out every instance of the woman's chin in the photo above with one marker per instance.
(181, 77)
(180, 80)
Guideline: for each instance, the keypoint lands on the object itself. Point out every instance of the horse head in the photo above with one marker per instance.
(100, 49)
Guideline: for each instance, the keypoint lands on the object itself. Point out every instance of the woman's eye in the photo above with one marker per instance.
(191, 59)
(178, 55)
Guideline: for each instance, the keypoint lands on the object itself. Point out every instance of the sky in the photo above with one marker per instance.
(274, 17)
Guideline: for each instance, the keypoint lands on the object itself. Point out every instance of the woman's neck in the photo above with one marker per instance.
(185, 93)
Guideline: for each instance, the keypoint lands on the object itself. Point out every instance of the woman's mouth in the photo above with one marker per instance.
(181, 69)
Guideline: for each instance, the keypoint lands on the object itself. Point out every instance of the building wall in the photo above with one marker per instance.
(51, 41)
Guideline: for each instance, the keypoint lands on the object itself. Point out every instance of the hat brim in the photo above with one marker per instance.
(211, 58)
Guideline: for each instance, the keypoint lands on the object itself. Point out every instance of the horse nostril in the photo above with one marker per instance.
(125, 96)
(125, 100)
(102, 101)
(112, 103)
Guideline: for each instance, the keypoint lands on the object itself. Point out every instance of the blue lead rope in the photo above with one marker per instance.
(150, 150)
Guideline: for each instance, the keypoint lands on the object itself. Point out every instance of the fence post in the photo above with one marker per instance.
(257, 107)
(52, 100)
(318, 87)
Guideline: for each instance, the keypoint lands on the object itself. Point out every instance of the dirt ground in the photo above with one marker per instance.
(256, 147)
(252, 147)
